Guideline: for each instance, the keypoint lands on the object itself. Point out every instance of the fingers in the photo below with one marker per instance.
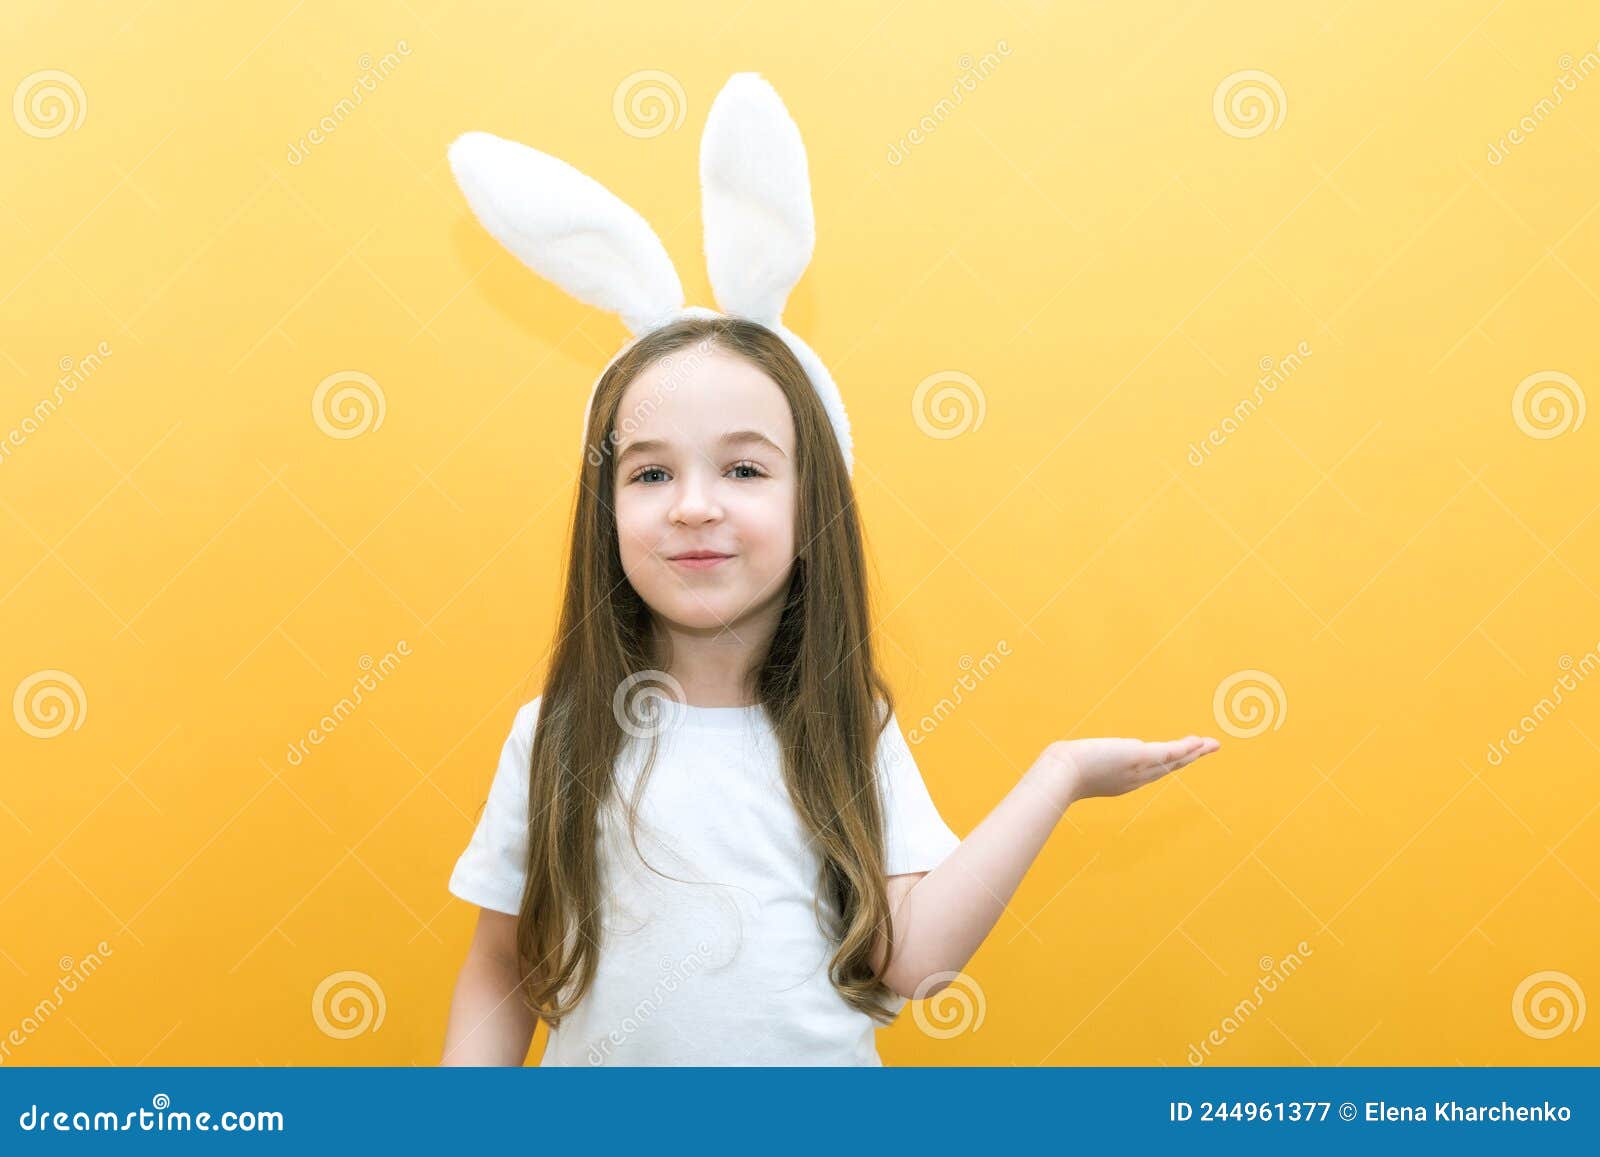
(1176, 753)
(1172, 750)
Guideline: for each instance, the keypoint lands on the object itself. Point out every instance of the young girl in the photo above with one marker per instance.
(707, 842)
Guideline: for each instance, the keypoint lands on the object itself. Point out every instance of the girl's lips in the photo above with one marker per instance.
(700, 563)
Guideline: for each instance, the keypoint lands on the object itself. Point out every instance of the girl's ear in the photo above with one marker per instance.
(756, 200)
(568, 228)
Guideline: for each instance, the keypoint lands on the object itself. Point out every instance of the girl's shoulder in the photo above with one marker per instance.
(883, 714)
(527, 718)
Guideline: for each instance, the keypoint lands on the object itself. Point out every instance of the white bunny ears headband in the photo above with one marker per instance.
(756, 205)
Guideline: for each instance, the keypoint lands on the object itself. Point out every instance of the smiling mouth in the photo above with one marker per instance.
(699, 560)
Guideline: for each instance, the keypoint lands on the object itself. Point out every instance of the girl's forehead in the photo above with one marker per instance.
(691, 395)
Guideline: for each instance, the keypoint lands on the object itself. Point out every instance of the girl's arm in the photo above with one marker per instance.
(939, 918)
(489, 1023)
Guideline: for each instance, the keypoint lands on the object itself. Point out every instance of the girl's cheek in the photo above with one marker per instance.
(635, 513)
(633, 535)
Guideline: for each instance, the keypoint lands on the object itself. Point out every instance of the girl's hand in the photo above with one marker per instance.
(1107, 767)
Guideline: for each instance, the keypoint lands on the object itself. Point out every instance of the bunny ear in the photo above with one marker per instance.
(756, 191)
(568, 228)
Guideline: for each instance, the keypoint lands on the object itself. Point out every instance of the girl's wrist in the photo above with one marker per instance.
(1054, 781)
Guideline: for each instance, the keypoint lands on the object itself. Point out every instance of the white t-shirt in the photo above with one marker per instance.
(728, 967)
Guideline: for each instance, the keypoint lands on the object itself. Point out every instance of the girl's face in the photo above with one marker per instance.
(705, 463)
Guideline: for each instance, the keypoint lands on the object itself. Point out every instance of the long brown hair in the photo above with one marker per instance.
(818, 686)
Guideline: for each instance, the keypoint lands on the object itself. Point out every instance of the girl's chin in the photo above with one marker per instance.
(700, 615)
(710, 609)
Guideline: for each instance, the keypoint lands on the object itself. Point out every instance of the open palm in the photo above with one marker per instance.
(1106, 767)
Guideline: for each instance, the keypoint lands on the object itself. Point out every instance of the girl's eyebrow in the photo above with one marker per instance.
(732, 437)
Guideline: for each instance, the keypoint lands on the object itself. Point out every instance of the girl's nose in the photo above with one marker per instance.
(696, 500)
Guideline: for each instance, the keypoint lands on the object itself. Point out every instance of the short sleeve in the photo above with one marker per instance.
(492, 869)
(918, 837)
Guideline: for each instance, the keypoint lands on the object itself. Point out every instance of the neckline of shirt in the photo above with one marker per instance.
(717, 718)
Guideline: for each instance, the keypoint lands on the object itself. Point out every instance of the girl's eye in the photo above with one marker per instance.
(755, 471)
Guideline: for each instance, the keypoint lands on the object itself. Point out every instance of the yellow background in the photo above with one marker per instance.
(1081, 236)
